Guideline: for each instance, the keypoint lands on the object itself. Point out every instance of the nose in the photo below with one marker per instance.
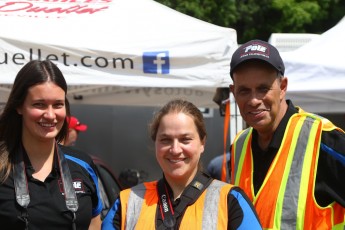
(255, 99)
(175, 147)
(49, 113)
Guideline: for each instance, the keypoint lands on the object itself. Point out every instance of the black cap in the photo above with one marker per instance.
(257, 50)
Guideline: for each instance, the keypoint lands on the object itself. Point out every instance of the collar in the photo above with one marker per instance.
(170, 192)
(30, 169)
(200, 182)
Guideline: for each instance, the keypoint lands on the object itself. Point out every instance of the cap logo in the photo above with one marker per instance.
(255, 49)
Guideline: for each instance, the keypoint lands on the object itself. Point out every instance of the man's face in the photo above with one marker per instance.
(259, 94)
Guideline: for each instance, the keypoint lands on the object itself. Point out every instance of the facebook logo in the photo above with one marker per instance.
(156, 62)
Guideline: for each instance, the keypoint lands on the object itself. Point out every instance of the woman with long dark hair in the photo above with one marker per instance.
(41, 187)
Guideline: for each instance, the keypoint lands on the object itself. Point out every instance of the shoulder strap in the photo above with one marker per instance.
(188, 197)
(22, 190)
(21, 187)
(193, 191)
(70, 196)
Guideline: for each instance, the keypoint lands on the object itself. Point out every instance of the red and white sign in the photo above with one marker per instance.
(121, 52)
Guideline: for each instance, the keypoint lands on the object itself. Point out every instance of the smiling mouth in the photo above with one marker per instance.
(176, 161)
(259, 111)
(47, 125)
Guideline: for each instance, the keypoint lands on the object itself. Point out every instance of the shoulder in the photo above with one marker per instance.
(78, 159)
(75, 153)
(333, 137)
(333, 143)
(239, 205)
(141, 189)
(216, 159)
(238, 194)
(218, 187)
(220, 184)
(237, 197)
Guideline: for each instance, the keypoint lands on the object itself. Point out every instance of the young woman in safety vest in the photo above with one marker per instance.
(186, 197)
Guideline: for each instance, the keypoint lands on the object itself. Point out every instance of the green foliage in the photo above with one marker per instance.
(260, 18)
(218, 12)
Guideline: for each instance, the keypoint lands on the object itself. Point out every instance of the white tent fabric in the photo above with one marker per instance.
(119, 52)
(316, 72)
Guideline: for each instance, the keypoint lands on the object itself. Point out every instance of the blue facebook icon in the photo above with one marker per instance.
(156, 62)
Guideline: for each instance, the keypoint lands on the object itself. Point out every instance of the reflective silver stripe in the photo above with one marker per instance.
(135, 200)
(238, 151)
(211, 205)
(291, 195)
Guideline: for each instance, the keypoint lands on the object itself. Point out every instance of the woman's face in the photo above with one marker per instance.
(43, 112)
(178, 147)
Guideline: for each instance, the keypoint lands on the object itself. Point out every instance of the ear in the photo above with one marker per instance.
(19, 110)
(283, 86)
(203, 142)
(232, 88)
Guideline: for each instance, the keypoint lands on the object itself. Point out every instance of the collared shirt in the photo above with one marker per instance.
(330, 184)
(47, 208)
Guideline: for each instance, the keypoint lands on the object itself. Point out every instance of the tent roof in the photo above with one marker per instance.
(316, 72)
(102, 44)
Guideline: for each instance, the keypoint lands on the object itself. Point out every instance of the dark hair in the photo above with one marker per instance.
(179, 106)
(33, 73)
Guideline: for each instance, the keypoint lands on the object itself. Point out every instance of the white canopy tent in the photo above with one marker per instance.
(316, 72)
(117, 52)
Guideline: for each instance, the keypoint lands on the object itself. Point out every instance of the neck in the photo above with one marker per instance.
(177, 190)
(179, 185)
(41, 155)
(264, 140)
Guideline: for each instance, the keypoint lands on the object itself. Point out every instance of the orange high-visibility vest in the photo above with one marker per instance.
(210, 211)
(286, 198)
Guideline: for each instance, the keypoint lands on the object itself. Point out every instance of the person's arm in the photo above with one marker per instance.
(330, 184)
(113, 218)
(96, 223)
(241, 212)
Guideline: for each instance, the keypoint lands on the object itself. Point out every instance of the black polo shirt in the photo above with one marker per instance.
(47, 208)
(330, 184)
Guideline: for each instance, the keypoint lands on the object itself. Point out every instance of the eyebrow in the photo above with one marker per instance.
(43, 100)
(259, 86)
(181, 135)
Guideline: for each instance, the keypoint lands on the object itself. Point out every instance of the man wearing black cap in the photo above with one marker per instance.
(290, 163)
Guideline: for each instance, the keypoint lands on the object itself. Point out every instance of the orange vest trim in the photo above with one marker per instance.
(286, 198)
(139, 205)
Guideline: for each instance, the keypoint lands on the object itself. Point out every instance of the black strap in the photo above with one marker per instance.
(70, 195)
(22, 190)
(188, 197)
(165, 206)
(21, 187)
